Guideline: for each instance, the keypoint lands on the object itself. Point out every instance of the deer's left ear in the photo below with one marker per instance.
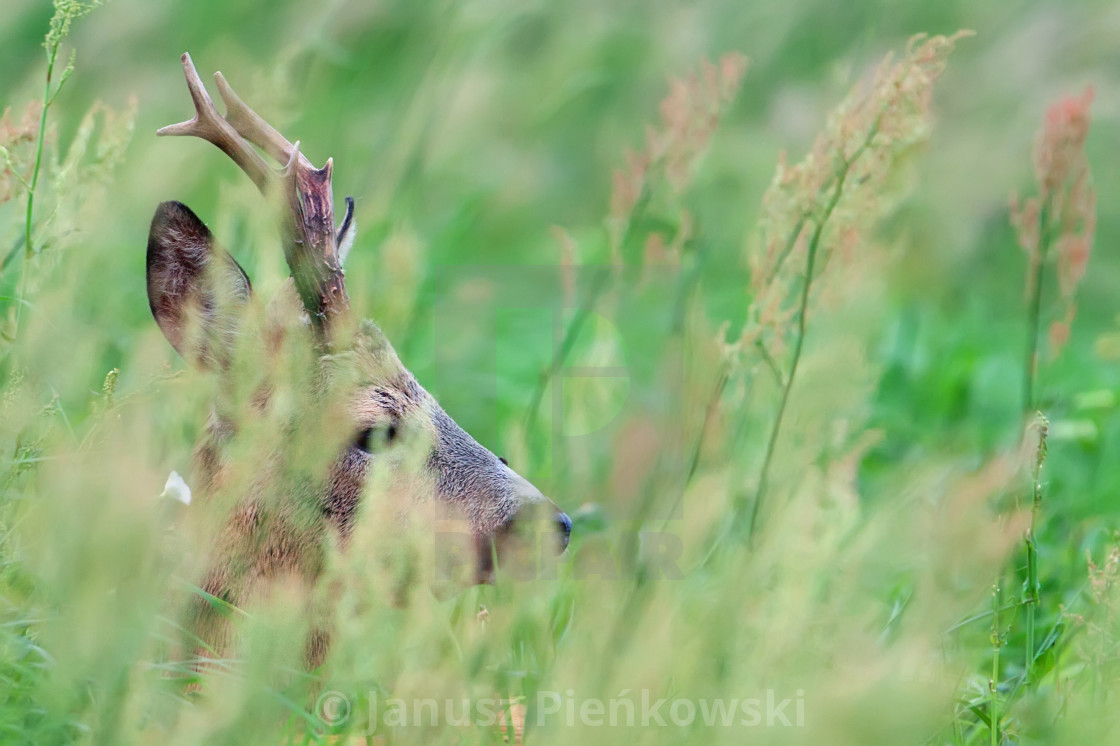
(345, 236)
(195, 289)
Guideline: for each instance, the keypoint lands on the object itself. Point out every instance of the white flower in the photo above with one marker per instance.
(176, 489)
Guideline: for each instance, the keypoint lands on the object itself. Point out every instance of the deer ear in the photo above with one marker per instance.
(345, 237)
(195, 289)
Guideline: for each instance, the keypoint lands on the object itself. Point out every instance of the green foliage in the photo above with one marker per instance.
(577, 274)
(65, 13)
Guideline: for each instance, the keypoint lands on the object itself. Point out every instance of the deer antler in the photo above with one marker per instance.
(310, 239)
(209, 125)
(250, 125)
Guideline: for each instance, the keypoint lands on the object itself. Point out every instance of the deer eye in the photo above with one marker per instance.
(373, 439)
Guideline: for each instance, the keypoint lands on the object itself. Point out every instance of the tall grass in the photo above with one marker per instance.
(783, 405)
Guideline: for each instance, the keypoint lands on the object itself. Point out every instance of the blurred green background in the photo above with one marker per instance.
(476, 126)
(467, 130)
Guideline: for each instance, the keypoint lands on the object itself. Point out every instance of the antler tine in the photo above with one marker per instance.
(310, 242)
(212, 127)
(254, 128)
(313, 256)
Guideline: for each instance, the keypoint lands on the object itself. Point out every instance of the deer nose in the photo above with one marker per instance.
(564, 525)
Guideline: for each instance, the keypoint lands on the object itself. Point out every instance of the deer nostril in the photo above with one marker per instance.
(564, 523)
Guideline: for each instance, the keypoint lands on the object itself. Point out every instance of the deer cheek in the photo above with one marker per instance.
(345, 486)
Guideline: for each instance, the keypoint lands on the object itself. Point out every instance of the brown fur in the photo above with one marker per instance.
(281, 523)
(308, 405)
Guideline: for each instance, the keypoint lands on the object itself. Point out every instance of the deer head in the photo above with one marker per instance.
(201, 299)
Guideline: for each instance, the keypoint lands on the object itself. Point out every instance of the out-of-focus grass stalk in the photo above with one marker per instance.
(1060, 221)
(65, 11)
(48, 98)
(567, 343)
(726, 370)
(709, 413)
(1034, 311)
(690, 114)
(993, 682)
(599, 285)
(52, 56)
(803, 306)
(1031, 589)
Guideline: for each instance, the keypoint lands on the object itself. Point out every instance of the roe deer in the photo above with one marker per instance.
(278, 520)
